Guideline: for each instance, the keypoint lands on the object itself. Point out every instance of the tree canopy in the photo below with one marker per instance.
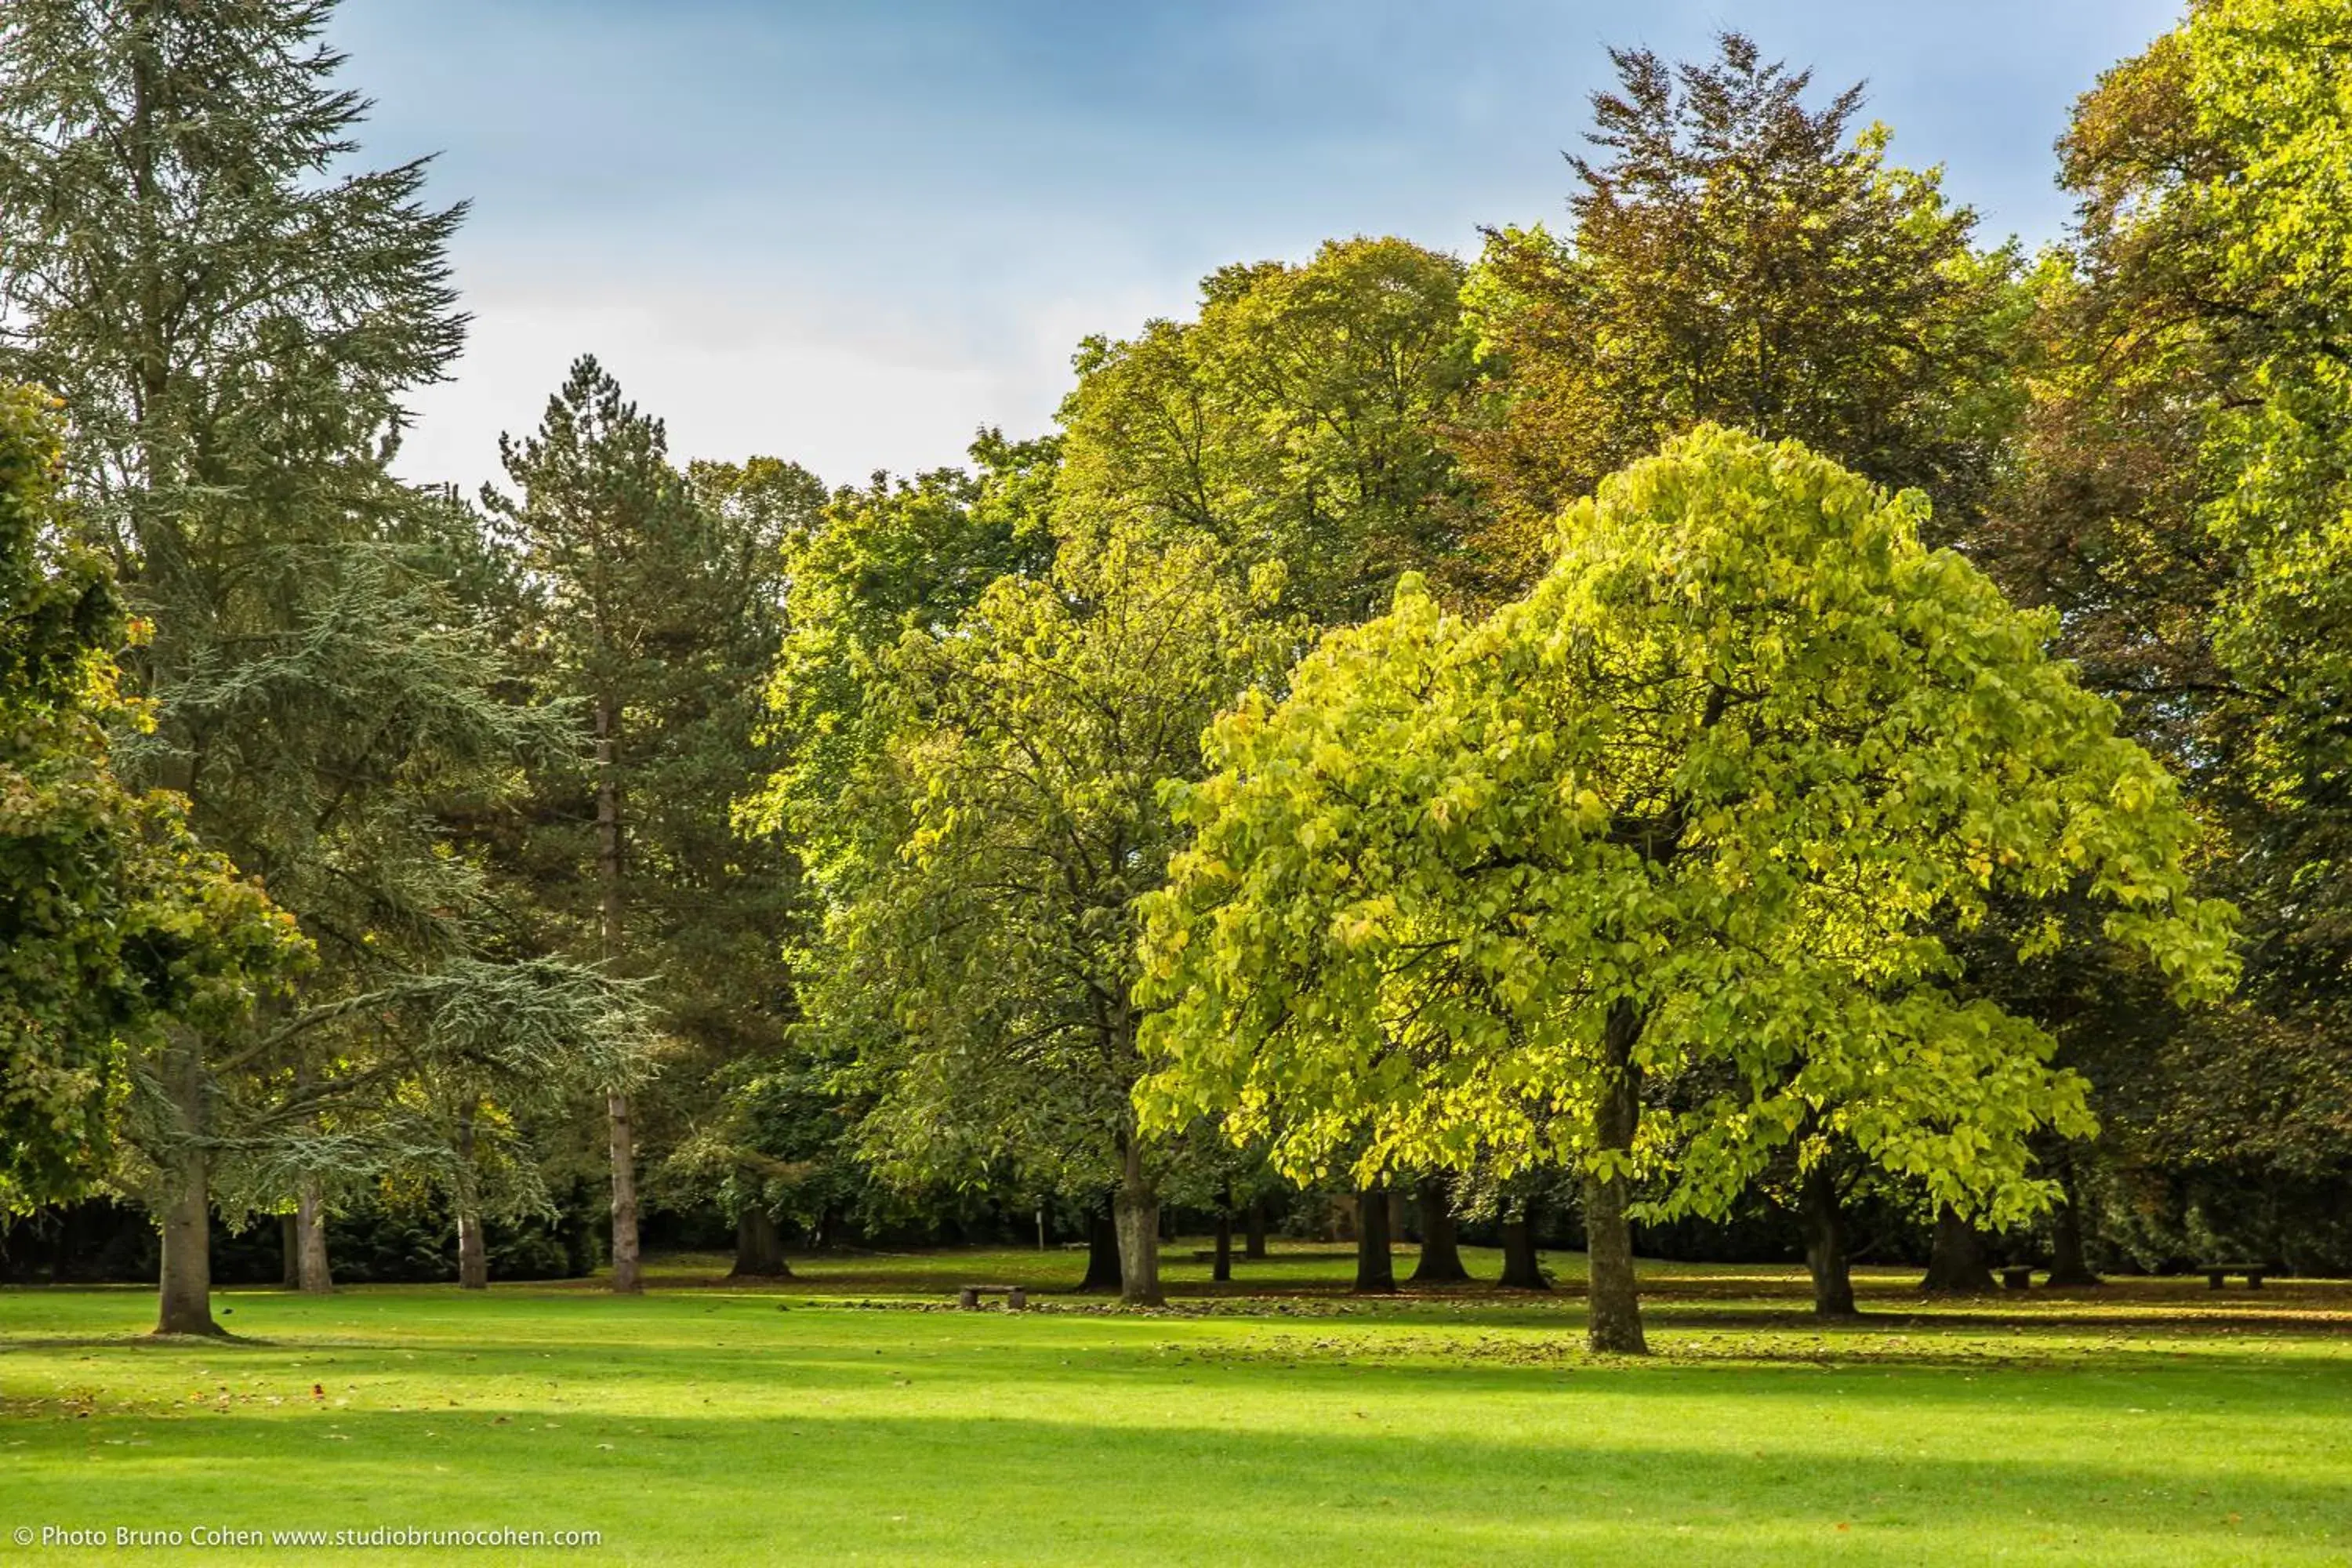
(1708, 795)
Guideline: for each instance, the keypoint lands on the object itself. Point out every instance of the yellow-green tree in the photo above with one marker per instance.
(1696, 814)
(1299, 418)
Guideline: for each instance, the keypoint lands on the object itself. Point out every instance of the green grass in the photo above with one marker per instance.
(848, 1416)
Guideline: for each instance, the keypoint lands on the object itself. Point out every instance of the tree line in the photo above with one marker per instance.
(1757, 696)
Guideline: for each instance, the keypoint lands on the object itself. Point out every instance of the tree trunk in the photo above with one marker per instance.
(627, 1271)
(1614, 1324)
(184, 1304)
(1522, 1271)
(473, 1251)
(1253, 1231)
(185, 1298)
(758, 1247)
(1957, 1265)
(311, 1271)
(627, 1278)
(1825, 1244)
(1222, 1271)
(1375, 1269)
(1136, 1211)
(1441, 1257)
(2069, 1268)
(1102, 1253)
(1397, 1216)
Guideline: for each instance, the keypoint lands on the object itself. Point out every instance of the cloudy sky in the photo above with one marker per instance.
(851, 233)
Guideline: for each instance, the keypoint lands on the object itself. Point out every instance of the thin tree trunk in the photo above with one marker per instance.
(1136, 1211)
(290, 1246)
(1957, 1265)
(1614, 1324)
(473, 1251)
(185, 1297)
(759, 1246)
(627, 1271)
(1441, 1255)
(1826, 1242)
(2070, 1269)
(1522, 1269)
(311, 1270)
(1102, 1253)
(1253, 1231)
(627, 1278)
(1223, 1270)
(1375, 1269)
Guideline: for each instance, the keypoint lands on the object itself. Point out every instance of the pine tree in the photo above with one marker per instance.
(638, 615)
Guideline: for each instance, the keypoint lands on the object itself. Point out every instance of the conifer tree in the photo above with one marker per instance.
(232, 317)
(645, 614)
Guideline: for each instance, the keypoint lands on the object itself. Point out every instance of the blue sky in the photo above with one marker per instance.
(852, 233)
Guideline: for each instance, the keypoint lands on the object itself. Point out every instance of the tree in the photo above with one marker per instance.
(1298, 419)
(1739, 257)
(2179, 503)
(647, 619)
(115, 924)
(1704, 800)
(980, 944)
(233, 320)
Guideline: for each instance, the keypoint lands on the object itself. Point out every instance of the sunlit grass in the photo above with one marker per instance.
(852, 1415)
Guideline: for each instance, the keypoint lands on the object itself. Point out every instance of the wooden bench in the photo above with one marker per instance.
(2017, 1276)
(2217, 1273)
(1016, 1300)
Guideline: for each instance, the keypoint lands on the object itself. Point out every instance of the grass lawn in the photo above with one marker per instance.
(847, 1416)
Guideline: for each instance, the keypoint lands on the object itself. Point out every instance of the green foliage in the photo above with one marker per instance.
(233, 318)
(1298, 419)
(1724, 780)
(1737, 257)
(979, 958)
(897, 557)
(114, 923)
(2181, 501)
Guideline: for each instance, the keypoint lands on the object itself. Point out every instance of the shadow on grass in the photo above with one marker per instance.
(1017, 1488)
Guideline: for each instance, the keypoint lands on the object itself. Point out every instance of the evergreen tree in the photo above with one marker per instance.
(113, 923)
(232, 319)
(653, 609)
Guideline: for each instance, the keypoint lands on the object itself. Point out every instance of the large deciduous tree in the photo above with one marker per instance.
(1737, 256)
(979, 951)
(1298, 419)
(1694, 815)
(2180, 503)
